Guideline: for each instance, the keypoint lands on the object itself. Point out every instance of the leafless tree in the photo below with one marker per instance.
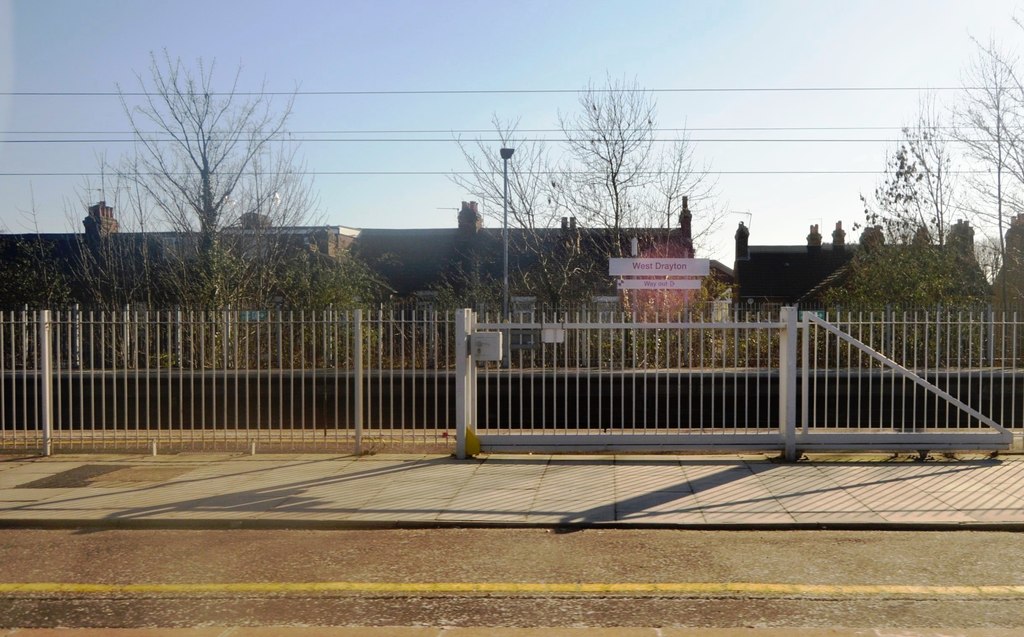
(616, 173)
(938, 188)
(535, 213)
(990, 123)
(919, 195)
(121, 268)
(216, 165)
(608, 172)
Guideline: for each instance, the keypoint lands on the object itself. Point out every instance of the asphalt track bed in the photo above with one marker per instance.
(517, 578)
(511, 611)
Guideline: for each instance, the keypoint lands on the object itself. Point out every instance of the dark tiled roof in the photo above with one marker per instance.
(413, 260)
(61, 245)
(787, 273)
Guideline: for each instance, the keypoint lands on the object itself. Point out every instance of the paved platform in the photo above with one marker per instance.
(417, 631)
(326, 491)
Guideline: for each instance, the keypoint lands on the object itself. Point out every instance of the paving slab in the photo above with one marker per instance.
(687, 491)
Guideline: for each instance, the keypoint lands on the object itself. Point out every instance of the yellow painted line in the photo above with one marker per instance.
(515, 588)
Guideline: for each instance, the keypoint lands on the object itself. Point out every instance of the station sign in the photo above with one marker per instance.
(659, 267)
(659, 284)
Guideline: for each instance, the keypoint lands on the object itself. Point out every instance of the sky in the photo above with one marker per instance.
(510, 48)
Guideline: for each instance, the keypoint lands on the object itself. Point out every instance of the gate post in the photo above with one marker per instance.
(465, 391)
(787, 382)
(45, 369)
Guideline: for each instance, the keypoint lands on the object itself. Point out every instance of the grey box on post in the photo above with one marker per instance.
(485, 346)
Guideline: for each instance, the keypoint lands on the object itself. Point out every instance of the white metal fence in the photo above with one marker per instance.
(224, 380)
(335, 380)
(743, 380)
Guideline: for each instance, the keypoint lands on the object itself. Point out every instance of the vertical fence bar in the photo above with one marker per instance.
(787, 382)
(805, 375)
(357, 369)
(463, 400)
(45, 381)
(473, 376)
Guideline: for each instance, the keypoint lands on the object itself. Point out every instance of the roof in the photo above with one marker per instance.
(788, 273)
(415, 260)
(418, 259)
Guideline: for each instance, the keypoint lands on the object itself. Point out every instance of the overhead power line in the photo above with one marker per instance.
(459, 131)
(449, 140)
(524, 91)
(466, 173)
(498, 140)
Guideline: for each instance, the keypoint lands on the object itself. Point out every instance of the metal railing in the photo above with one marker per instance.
(976, 356)
(730, 383)
(896, 406)
(342, 380)
(577, 374)
(224, 380)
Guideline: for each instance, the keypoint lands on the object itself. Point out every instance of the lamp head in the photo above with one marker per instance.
(506, 153)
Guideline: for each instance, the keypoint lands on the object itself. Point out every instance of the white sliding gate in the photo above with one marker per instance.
(596, 385)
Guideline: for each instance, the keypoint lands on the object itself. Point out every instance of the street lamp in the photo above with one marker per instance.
(506, 154)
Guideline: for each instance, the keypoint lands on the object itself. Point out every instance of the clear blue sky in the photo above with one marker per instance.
(98, 45)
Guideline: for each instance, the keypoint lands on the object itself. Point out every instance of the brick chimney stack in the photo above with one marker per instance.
(469, 217)
(961, 239)
(100, 222)
(872, 237)
(742, 240)
(814, 239)
(686, 226)
(839, 237)
(1015, 242)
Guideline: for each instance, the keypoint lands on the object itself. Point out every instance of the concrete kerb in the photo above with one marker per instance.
(370, 525)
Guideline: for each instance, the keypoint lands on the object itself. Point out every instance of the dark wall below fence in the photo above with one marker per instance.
(324, 400)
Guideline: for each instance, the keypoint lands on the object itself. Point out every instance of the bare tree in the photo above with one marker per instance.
(216, 165)
(562, 270)
(616, 174)
(611, 173)
(30, 269)
(918, 197)
(938, 192)
(990, 125)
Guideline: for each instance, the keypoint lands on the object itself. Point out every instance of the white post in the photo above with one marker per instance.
(463, 377)
(805, 376)
(45, 381)
(473, 374)
(787, 382)
(357, 364)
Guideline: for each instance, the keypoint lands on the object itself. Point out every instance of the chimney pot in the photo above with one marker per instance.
(814, 237)
(839, 237)
(872, 237)
(100, 221)
(469, 218)
(742, 240)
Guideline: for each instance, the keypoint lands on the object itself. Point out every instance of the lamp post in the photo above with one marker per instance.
(506, 154)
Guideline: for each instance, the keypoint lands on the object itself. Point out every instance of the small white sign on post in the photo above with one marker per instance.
(659, 284)
(659, 267)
